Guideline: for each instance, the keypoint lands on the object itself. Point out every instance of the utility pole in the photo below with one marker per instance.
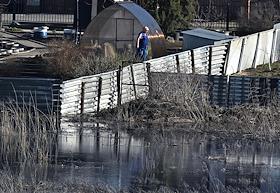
(77, 22)
(14, 10)
(248, 9)
(227, 19)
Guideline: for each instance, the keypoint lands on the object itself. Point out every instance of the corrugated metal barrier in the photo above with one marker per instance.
(104, 91)
(108, 90)
(253, 50)
(41, 93)
(222, 90)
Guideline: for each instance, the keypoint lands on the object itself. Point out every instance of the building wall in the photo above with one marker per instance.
(43, 6)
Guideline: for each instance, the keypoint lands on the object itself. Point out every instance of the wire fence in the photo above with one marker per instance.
(231, 14)
(38, 11)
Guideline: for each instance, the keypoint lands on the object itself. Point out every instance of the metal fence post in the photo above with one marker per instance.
(193, 62)
(82, 98)
(225, 66)
(178, 64)
(99, 93)
(133, 81)
(254, 65)
(148, 66)
(210, 61)
(241, 55)
(119, 86)
(274, 39)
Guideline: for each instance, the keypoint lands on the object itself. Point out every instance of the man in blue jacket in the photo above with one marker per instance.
(142, 44)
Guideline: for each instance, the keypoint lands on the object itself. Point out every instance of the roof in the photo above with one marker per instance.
(141, 14)
(207, 34)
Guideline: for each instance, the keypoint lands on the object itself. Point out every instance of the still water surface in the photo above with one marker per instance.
(126, 160)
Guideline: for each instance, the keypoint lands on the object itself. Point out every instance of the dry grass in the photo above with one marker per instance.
(263, 71)
(27, 137)
(67, 60)
(183, 99)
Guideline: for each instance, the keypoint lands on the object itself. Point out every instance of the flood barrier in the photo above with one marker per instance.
(38, 92)
(218, 90)
(91, 94)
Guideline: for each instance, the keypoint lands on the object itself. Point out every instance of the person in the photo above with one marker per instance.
(142, 44)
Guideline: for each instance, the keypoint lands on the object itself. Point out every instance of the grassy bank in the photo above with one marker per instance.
(266, 70)
(262, 122)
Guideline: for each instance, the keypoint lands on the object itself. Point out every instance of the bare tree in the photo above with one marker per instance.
(261, 16)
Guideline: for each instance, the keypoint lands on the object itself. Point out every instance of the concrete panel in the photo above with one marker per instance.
(264, 48)
(249, 50)
(233, 57)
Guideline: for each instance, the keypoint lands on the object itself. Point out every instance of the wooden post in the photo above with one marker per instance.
(99, 93)
(178, 64)
(82, 98)
(210, 61)
(133, 81)
(149, 78)
(119, 89)
(193, 62)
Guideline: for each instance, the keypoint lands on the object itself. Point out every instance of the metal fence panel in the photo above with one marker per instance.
(127, 92)
(164, 64)
(249, 50)
(109, 89)
(264, 47)
(41, 93)
(234, 56)
(141, 79)
(90, 94)
(218, 59)
(276, 56)
(185, 62)
(201, 60)
(218, 90)
(71, 97)
(240, 90)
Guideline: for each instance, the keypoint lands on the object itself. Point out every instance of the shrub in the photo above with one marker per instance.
(68, 60)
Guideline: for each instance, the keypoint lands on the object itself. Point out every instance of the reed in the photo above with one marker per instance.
(27, 138)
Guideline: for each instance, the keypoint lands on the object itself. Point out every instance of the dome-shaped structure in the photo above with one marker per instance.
(120, 25)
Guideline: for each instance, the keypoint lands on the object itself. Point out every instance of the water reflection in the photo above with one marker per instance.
(126, 160)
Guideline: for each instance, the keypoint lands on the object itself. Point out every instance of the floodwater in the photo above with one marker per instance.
(126, 160)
